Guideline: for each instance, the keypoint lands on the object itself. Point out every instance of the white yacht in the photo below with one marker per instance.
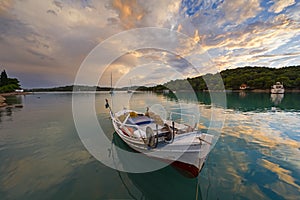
(277, 88)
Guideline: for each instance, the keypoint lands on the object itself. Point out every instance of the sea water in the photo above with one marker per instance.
(257, 155)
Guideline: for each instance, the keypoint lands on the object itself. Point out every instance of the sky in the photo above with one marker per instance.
(44, 43)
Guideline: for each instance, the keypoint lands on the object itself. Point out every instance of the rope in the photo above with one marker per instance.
(197, 189)
(126, 187)
(208, 187)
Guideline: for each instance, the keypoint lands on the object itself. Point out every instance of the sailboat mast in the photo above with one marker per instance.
(111, 80)
(130, 84)
(111, 89)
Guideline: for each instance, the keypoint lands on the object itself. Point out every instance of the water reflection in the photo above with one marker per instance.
(244, 101)
(165, 183)
(257, 156)
(14, 99)
(8, 111)
(283, 174)
(14, 103)
(242, 94)
(271, 145)
(276, 98)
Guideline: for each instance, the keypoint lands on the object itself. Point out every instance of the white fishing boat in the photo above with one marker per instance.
(277, 88)
(179, 144)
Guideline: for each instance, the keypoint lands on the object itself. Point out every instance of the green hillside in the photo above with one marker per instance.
(253, 77)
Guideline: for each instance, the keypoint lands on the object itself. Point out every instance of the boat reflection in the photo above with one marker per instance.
(253, 101)
(276, 98)
(165, 183)
(242, 94)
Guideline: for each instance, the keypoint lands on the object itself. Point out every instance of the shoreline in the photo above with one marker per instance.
(249, 91)
(2, 101)
(14, 93)
(3, 95)
(267, 91)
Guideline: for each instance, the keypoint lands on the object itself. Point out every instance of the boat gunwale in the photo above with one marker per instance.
(138, 143)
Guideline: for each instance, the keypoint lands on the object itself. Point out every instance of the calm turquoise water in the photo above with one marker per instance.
(256, 157)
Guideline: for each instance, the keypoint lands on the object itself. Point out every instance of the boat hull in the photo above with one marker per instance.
(277, 88)
(277, 91)
(187, 153)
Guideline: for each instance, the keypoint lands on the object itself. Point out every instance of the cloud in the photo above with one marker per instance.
(58, 4)
(258, 38)
(232, 31)
(5, 5)
(278, 55)
(30, 45)
(259, 50)
(236, 11)
(280, 5)
(51, 12)
(130, 12)
(58, 42)
(58, 35)
(148, 66)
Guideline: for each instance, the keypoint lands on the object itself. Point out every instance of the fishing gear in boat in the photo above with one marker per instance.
(163, 139)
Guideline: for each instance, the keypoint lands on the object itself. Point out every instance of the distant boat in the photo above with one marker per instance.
(111, 88)
(166, 91)
(244, 87)
(129, 89)
(277, 88)
(19, 90)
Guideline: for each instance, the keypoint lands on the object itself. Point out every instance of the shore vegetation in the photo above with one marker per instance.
(8, 84)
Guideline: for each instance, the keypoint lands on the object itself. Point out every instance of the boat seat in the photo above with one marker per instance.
(139, 120)
(127, 130)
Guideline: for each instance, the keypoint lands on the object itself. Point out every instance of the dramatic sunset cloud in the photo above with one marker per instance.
(43, 43)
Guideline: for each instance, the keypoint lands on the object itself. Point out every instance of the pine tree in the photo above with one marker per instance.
(3, 78)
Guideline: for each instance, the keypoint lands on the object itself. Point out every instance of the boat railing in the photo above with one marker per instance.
(183, 114)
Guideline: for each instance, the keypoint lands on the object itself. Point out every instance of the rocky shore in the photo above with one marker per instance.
(3, 95)
(2, 101)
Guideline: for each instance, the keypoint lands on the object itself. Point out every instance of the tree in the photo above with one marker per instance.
(284, 80)
(3, 78)
(8, 84)
(297, 83)
(14, 81)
